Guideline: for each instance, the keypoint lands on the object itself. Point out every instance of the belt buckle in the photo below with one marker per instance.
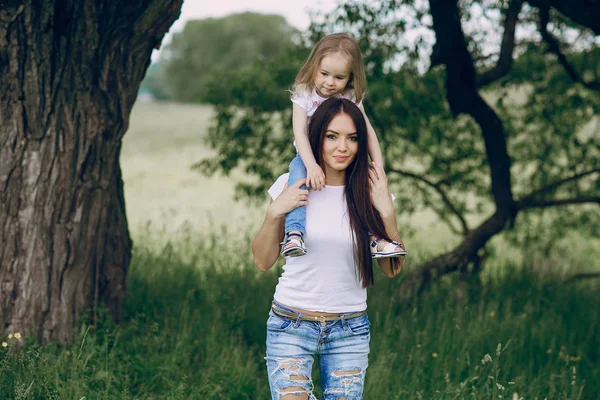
(320, 319)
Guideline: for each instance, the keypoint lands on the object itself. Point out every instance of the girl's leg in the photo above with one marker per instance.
(381, 248)
(290, 346)
(345, 358)
(295, 220)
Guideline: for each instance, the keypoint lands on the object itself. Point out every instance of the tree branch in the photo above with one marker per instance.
(505, 58)
(558, 202)
(552, 186)
(477, 238)
(445, 199)
(554, 48)
(455, 259)
(467, 251)
(582, 12)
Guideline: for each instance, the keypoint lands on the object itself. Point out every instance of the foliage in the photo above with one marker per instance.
(434, 159)
(206, 48)
(195, 329)
(252, 128)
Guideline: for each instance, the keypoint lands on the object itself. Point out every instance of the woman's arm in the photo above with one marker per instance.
(265, 246)
(315, 178)
(382, 201)
(372, 141)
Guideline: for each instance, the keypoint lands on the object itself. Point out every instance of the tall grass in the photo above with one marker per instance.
(195, 329)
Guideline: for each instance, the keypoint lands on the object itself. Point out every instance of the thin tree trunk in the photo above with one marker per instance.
(451, 50)
(69, 74)
(463, 97)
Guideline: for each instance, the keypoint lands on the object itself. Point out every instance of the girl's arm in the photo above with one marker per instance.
(265, 246)
(382, 201)
(315, 178)
(374, 148)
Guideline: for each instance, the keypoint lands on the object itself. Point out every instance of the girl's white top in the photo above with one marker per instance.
(310, 100)
(326, 279)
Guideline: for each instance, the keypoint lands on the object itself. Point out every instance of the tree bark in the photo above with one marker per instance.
(69, 75)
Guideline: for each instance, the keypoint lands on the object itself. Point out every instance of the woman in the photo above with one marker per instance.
(319, 306)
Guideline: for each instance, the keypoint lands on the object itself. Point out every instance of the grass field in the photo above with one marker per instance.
(195, 329)
(162, 143)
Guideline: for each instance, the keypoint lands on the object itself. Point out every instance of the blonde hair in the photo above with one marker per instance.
(331, 44)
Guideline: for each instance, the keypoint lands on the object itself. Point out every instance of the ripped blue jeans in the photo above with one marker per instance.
(342, 347)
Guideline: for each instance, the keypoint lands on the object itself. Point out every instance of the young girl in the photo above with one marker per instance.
(334, 68)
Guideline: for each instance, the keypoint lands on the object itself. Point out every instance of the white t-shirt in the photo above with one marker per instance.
(326, 278)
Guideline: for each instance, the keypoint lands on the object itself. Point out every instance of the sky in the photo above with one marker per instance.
(295, 11)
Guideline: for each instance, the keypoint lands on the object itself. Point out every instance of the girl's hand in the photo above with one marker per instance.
(291, 198)
(380, 194)
(315, 178)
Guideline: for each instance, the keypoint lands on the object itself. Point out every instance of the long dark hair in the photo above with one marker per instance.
(363, 216)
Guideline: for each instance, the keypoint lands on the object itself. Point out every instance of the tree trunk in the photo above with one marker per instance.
(463, 97)
(69, 75)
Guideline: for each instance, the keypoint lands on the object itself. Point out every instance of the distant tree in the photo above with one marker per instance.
(486, 130)
(211, 46)
(69, 75)
(154, 82)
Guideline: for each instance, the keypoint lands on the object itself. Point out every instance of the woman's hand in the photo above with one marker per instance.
(380, 194)
(265, 246)
(291, 198)
(315, 178)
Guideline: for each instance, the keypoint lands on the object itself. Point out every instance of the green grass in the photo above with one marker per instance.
(195, 329)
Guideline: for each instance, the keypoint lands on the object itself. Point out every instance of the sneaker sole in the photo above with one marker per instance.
(294, 253)
(389, 255)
